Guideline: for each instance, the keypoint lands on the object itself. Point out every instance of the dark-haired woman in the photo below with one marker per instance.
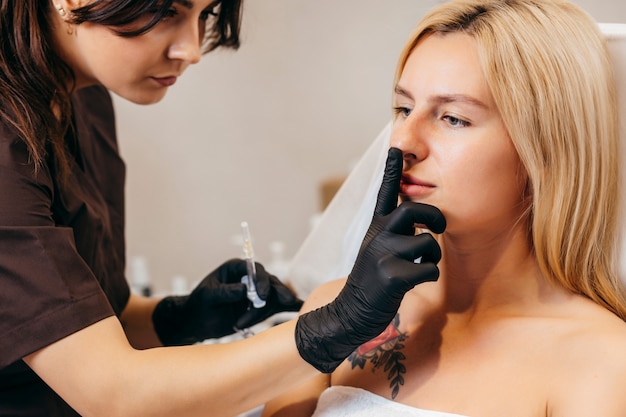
(73, 340)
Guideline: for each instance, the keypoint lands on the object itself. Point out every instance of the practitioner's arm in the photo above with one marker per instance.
(302, 399)
(99, 374)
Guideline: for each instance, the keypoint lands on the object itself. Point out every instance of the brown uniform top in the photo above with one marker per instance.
(61, 249)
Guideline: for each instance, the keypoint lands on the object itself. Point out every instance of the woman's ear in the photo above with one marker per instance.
(65, 7)
(72, 4)
(60, 8)
(64, 10)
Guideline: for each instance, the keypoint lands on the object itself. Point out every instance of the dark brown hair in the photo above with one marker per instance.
(34, 79)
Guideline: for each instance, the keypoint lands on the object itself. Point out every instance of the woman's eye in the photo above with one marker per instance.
(172, 12)
(402, 111)
(455, 121)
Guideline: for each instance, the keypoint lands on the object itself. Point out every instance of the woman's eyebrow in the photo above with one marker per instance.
(443, 98)
(402, 92)
(189, 3)
(457, 98)
(185, 3)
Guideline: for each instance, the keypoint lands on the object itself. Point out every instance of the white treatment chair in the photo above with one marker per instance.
(330, 249)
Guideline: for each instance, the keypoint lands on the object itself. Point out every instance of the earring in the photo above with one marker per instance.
(70, 27)
(60, 10)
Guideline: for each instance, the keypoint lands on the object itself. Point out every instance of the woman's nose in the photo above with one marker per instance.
(187, 46)
(408, 136)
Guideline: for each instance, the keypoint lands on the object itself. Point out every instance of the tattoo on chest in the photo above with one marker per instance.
(384, 352)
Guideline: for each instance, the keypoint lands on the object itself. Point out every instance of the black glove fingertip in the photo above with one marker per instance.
(387, 199)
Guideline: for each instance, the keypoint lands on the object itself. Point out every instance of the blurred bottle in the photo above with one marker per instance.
(278, 265)
(140, 282)
(179, 285)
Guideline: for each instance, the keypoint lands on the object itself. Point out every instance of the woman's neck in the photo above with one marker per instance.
(65, 45)
(491, 274)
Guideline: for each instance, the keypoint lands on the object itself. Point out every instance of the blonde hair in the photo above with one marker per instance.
(550, 75)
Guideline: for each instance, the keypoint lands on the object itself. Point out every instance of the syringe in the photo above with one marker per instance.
(248, 280)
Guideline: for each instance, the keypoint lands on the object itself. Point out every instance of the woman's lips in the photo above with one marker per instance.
(413, 187)
(165, 81)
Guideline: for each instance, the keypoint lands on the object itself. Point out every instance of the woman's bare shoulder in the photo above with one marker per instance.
(592, 362)
(599, 322)
(590, 331)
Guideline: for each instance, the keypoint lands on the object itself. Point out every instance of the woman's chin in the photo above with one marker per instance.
(152, 97)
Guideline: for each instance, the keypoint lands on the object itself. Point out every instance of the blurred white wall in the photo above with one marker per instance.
(249, 135)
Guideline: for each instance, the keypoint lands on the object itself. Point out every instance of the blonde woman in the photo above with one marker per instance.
(506, 117)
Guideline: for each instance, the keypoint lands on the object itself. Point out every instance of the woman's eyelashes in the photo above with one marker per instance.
(206, 14)
(170, 13)
(455, 121)
(401, 111)
(451, 120)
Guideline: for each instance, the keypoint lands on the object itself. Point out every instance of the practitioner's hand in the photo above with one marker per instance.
(385, 269)
(218, 305)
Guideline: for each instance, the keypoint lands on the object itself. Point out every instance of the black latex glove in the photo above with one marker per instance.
(218, 305)
(383, 272)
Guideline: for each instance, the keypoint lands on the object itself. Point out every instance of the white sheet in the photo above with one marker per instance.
(341, 401)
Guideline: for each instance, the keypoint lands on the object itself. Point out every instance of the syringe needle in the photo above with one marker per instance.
(248, 280)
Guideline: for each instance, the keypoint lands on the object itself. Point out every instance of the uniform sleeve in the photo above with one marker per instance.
(47, 291)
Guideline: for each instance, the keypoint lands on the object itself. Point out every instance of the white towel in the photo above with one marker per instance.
(342, 401)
